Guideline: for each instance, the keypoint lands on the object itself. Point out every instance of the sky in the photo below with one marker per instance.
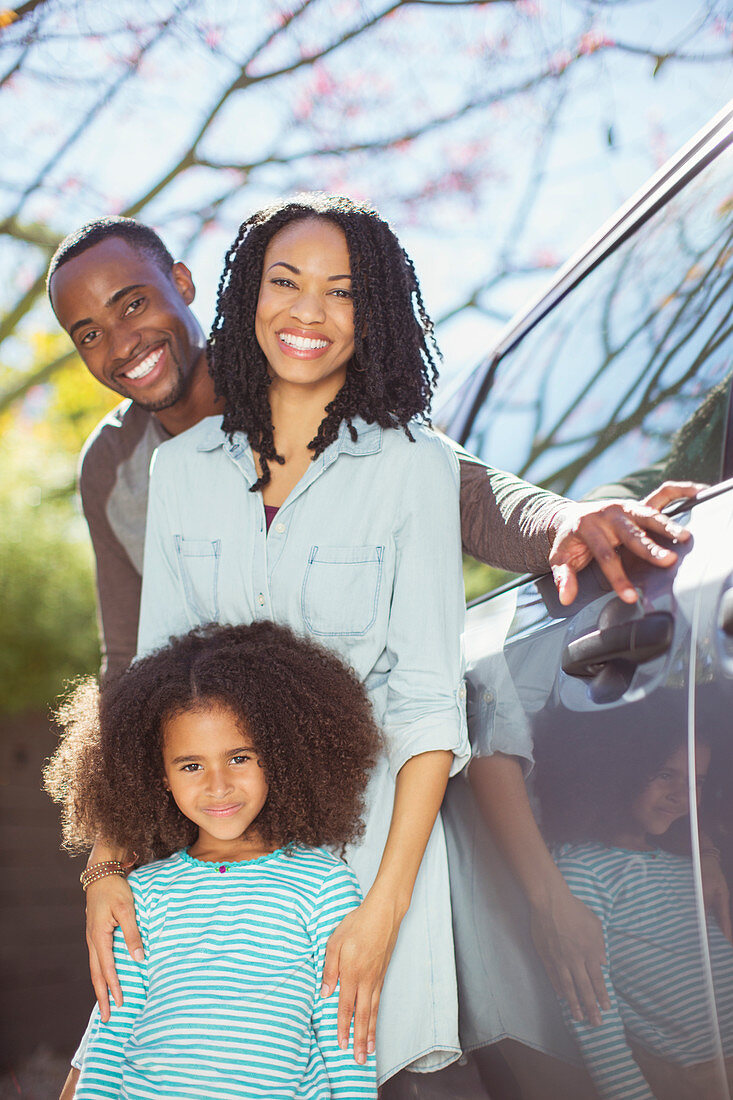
(608, 125)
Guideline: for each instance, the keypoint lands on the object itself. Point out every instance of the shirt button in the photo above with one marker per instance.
(279, 527)
(261, 600)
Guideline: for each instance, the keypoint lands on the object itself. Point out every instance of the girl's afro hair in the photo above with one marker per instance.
(307, 713)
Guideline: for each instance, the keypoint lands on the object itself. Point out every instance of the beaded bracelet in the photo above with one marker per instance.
(101, 870)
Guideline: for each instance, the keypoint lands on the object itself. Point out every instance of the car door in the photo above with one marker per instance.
(624, 384)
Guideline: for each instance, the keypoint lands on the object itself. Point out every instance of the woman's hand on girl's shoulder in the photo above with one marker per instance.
(568, 937)
(109, 904)
(357, 956)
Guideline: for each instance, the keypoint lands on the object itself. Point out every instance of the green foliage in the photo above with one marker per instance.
(479, 578)
(48, 626)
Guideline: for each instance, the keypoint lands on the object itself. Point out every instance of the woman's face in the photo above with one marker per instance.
(305, 311)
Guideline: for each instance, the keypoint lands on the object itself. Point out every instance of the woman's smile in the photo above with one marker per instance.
(301, 344)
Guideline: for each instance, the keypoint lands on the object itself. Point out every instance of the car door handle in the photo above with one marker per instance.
(634, 642)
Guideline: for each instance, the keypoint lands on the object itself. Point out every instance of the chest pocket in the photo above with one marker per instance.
(341, 589)
(198, 564)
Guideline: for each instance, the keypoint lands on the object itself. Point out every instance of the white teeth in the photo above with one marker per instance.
(145, 367)
(302, 343)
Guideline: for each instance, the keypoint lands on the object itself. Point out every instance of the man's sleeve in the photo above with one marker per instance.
(505, 521)
(338, 896)
(118, 581)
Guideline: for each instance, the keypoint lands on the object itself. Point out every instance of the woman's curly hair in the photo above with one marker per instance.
(307, 713)
(394, 368)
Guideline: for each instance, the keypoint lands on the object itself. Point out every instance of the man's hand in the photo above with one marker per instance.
(109, 904)
(597, 530)
(569, 940)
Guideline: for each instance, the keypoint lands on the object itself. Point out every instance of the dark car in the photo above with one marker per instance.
(616, 379)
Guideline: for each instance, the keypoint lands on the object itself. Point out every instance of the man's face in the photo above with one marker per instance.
(130, 321)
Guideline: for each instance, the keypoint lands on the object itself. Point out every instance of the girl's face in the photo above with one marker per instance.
(214, 774)
(304, 322)
(665, 797)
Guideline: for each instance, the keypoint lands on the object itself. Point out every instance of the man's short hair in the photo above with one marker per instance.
(137, 235)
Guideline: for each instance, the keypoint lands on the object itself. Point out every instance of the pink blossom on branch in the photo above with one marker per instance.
(592, 41)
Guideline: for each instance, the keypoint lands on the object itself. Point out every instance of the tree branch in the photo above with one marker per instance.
(35, 378)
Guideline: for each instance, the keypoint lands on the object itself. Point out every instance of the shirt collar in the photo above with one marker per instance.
(369, 441)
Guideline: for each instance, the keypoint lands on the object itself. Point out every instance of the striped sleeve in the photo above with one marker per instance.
(338, 896)
(605, 1051)
(101, 1074)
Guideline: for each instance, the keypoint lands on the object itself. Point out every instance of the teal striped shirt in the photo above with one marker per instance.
(226, 1003)
(646, 904)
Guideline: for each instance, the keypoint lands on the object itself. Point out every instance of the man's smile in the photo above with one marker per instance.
(143, 367)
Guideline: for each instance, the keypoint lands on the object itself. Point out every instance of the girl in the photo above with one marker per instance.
(320, 500)
(228, 757)
(656, 1039)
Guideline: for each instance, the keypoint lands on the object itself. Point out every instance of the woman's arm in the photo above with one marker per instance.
(567, 935)
(424, 723)
(360, 949)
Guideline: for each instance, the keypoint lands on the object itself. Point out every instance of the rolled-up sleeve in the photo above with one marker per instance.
(425, 688)
(163, 612)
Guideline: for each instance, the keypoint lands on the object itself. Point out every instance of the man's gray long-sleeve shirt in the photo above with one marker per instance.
(504, 521)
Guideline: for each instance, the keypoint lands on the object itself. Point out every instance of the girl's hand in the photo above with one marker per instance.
(715, 891)
(358, 954)
(109, 904)
(569, 940)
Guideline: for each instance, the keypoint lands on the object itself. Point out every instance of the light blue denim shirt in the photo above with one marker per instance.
(365, 557)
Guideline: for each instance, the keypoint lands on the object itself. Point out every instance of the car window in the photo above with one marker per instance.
(626, 382)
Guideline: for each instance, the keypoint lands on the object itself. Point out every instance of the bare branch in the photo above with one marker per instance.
(89, 117)
(21, 307)
(31, 233)
(35, 378)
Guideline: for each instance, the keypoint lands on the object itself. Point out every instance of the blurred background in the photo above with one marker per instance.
(495, 137)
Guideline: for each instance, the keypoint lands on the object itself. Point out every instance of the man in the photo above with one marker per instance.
(115, 289)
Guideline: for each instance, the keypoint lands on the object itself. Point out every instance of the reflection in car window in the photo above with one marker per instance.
(615, 809)
(626, 382)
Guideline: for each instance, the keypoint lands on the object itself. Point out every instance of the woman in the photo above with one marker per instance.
(320, 500)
